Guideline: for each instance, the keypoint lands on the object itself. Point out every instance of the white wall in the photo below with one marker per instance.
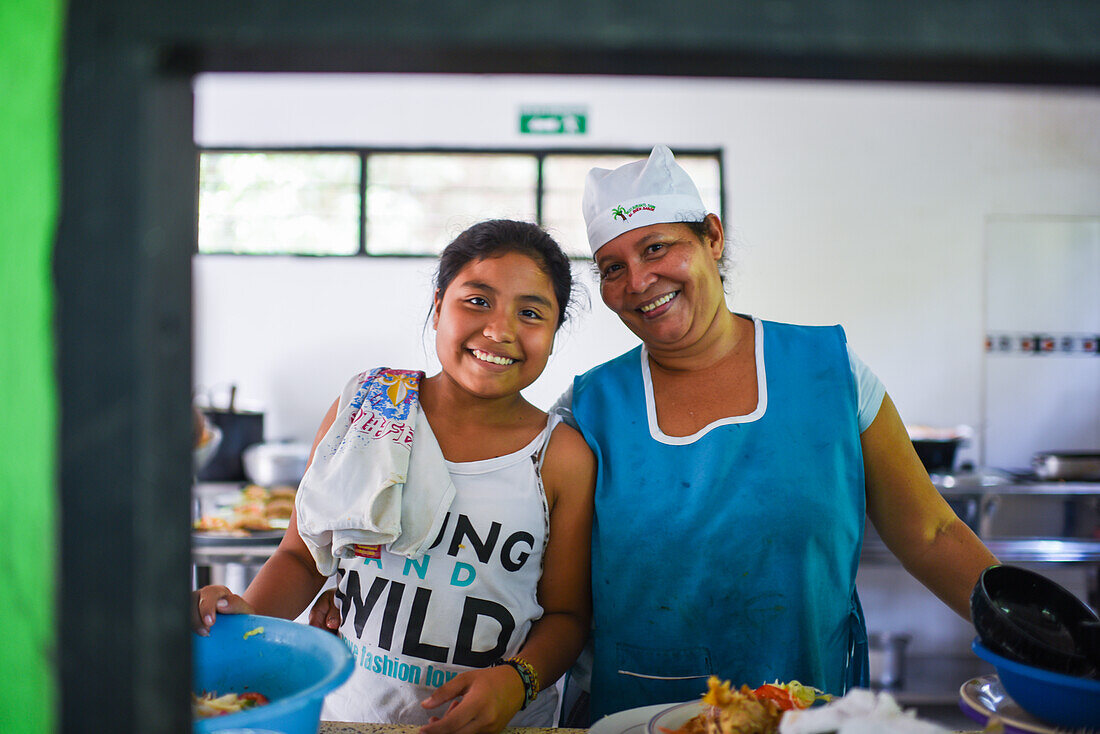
(856, 203)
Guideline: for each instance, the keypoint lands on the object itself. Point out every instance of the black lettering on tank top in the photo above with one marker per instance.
(472, 610)
(348, 593)
(483, 548)
(389, 616)
(442, 531)
(412, 645)
(517, 563)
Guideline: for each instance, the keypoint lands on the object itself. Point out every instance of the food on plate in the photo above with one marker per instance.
(256, 509)
(255, 493)
(790, 696)
(211, 523)
(256, 631)
(747, 711)
(279, 508)
(250, 518)
(283, 492)
(210, 704)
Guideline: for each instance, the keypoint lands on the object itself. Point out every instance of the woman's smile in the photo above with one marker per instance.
(653, 308)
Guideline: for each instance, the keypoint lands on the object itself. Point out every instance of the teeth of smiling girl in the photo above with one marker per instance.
(659, 302)
(486, 357)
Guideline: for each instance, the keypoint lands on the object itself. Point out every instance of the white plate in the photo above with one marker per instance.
(984, 698)
(631, 721)
(674, 717)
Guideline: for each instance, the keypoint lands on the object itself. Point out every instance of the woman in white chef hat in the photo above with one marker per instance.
(738, 458)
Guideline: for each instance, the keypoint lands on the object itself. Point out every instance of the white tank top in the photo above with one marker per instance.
(470, 600)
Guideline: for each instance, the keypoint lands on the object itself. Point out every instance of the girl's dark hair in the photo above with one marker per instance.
(499, 237)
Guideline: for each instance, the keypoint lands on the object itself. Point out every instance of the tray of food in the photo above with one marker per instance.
(252, 514)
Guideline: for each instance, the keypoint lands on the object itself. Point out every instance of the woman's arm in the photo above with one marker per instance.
(286, 583)
(913, 519)
(492, 696)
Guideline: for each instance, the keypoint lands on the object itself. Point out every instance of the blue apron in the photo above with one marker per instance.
(734, 553)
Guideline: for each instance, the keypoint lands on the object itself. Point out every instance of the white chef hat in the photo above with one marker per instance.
(653, 191)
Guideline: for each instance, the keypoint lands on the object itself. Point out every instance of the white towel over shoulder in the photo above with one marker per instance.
(378, 476)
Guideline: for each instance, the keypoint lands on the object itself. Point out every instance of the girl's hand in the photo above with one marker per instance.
(209, 601)
(483, 701)
(325, 614)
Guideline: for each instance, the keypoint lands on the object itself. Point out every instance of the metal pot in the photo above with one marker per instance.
(1067, 465)
(887, 657)
(273, 464)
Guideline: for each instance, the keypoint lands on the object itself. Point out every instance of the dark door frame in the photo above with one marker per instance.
(127, 229)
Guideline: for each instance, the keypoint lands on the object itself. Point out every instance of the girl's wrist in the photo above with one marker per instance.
(527, 675)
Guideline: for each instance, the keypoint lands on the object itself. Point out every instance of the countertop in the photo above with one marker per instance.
(341, 727)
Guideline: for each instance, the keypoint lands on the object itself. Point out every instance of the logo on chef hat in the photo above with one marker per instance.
(624, 213)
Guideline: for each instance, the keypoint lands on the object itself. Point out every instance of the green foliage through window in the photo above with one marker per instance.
(348, 202)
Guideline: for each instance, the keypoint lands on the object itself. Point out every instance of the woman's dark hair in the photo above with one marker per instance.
(496, 237)
(701, 229)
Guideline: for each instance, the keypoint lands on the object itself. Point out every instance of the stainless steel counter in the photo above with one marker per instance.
(1020, 520)
(1007, 550)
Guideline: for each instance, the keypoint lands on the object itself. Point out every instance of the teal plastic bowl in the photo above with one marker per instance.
(1059, 699)
(293, 665)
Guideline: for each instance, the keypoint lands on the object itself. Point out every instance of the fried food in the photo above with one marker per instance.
(257, 510)
(747, 711)
(255, 493)
(279, 508)
(283, 492)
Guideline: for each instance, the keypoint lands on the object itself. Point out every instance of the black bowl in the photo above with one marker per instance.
(1026, 617)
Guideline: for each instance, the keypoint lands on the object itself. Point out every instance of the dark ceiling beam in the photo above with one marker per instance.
(1053, 42)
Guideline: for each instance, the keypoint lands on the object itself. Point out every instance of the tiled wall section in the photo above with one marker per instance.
(1060, 345)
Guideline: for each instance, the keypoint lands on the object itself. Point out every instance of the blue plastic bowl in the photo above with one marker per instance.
(293, 665)
(1062, 700)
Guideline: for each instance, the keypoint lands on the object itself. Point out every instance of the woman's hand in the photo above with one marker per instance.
(209, 601)
(325, 614)
(483, 701)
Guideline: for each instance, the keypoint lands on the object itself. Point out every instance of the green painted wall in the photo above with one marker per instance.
(30, 68)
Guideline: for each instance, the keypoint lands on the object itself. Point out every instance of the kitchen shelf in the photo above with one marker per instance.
(1015, 550)
(997, 483)
(978, 497)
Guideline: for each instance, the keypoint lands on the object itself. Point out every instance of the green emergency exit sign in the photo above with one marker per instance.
(553, 122)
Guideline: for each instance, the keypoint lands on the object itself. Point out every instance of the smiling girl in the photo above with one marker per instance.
(464, 636)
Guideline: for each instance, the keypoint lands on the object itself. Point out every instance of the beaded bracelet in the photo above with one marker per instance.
(528, 675)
